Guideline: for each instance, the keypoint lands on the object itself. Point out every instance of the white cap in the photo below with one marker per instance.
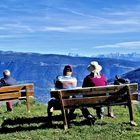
(94, 66)
(6, 73)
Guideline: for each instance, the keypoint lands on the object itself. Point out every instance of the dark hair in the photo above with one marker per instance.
(66, 69)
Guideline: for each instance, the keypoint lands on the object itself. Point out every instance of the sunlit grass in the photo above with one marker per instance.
(33, 126)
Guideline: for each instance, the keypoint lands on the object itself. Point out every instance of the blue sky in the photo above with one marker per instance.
(84, 27)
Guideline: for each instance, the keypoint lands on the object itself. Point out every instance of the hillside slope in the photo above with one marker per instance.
(42, 69)
(134, 76)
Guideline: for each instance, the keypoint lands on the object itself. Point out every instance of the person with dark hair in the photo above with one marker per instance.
(67, 81)
(7, 80)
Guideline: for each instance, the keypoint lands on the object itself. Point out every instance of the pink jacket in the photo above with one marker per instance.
(90, 81)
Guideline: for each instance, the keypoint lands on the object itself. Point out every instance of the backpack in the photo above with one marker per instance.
(119, 80)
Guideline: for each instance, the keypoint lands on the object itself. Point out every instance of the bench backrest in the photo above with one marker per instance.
(102, 95)
(16, 92)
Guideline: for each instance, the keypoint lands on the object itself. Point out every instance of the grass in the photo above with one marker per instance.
(20, 125)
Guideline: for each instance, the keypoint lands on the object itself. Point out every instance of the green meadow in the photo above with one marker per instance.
(20, 125)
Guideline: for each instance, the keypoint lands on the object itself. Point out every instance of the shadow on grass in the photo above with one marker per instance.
(27, 124)
(88, 122)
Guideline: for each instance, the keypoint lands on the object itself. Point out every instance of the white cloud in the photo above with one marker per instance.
(69, 19)
(74, 12)
(9, 36)
(63, 28)
(14, 29)
(130, 45)
(19, 27)
(107, 22)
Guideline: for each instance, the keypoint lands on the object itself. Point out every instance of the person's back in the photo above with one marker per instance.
(91, 81)
(67, 81)
(95, 78)
(7, 80)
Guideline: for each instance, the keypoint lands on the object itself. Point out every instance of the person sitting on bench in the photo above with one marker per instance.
(7, 80)
(95, 78)
(67, 81)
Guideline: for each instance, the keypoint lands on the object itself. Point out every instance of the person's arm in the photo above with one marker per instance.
(106, 83)
(57, 83)
(2, 82)
(75, 82)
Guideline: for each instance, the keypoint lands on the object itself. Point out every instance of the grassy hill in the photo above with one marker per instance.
(20, 125)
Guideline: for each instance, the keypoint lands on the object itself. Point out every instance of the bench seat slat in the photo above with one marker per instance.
(94, 90)
(93, 100)
(10, 95)
(17, 92)
(15, 88)
(76, 106)
(101, 100)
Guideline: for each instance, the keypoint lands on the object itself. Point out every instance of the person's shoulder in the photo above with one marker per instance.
(2, 82)
(58, 77)
(72, 77)
(1, 79)
(88, 77)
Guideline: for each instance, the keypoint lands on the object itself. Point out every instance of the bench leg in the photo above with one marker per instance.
(50, 111)
(132, 123)
(110, 112)
(64, 113)
(130, 108)
(130, 112)
(28, 104)
(27, 99)
(53, 104)
(49, 117)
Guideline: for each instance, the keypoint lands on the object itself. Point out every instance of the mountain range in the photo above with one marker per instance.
(131, 56)
(42, 69)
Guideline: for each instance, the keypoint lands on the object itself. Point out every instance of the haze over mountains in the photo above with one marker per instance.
(131, 56)
(41, 69)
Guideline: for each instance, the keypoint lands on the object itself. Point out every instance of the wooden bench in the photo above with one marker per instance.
(17, 92)
(95, 96)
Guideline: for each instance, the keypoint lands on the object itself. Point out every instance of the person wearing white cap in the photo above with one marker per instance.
(95, 78)
(7, 80)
